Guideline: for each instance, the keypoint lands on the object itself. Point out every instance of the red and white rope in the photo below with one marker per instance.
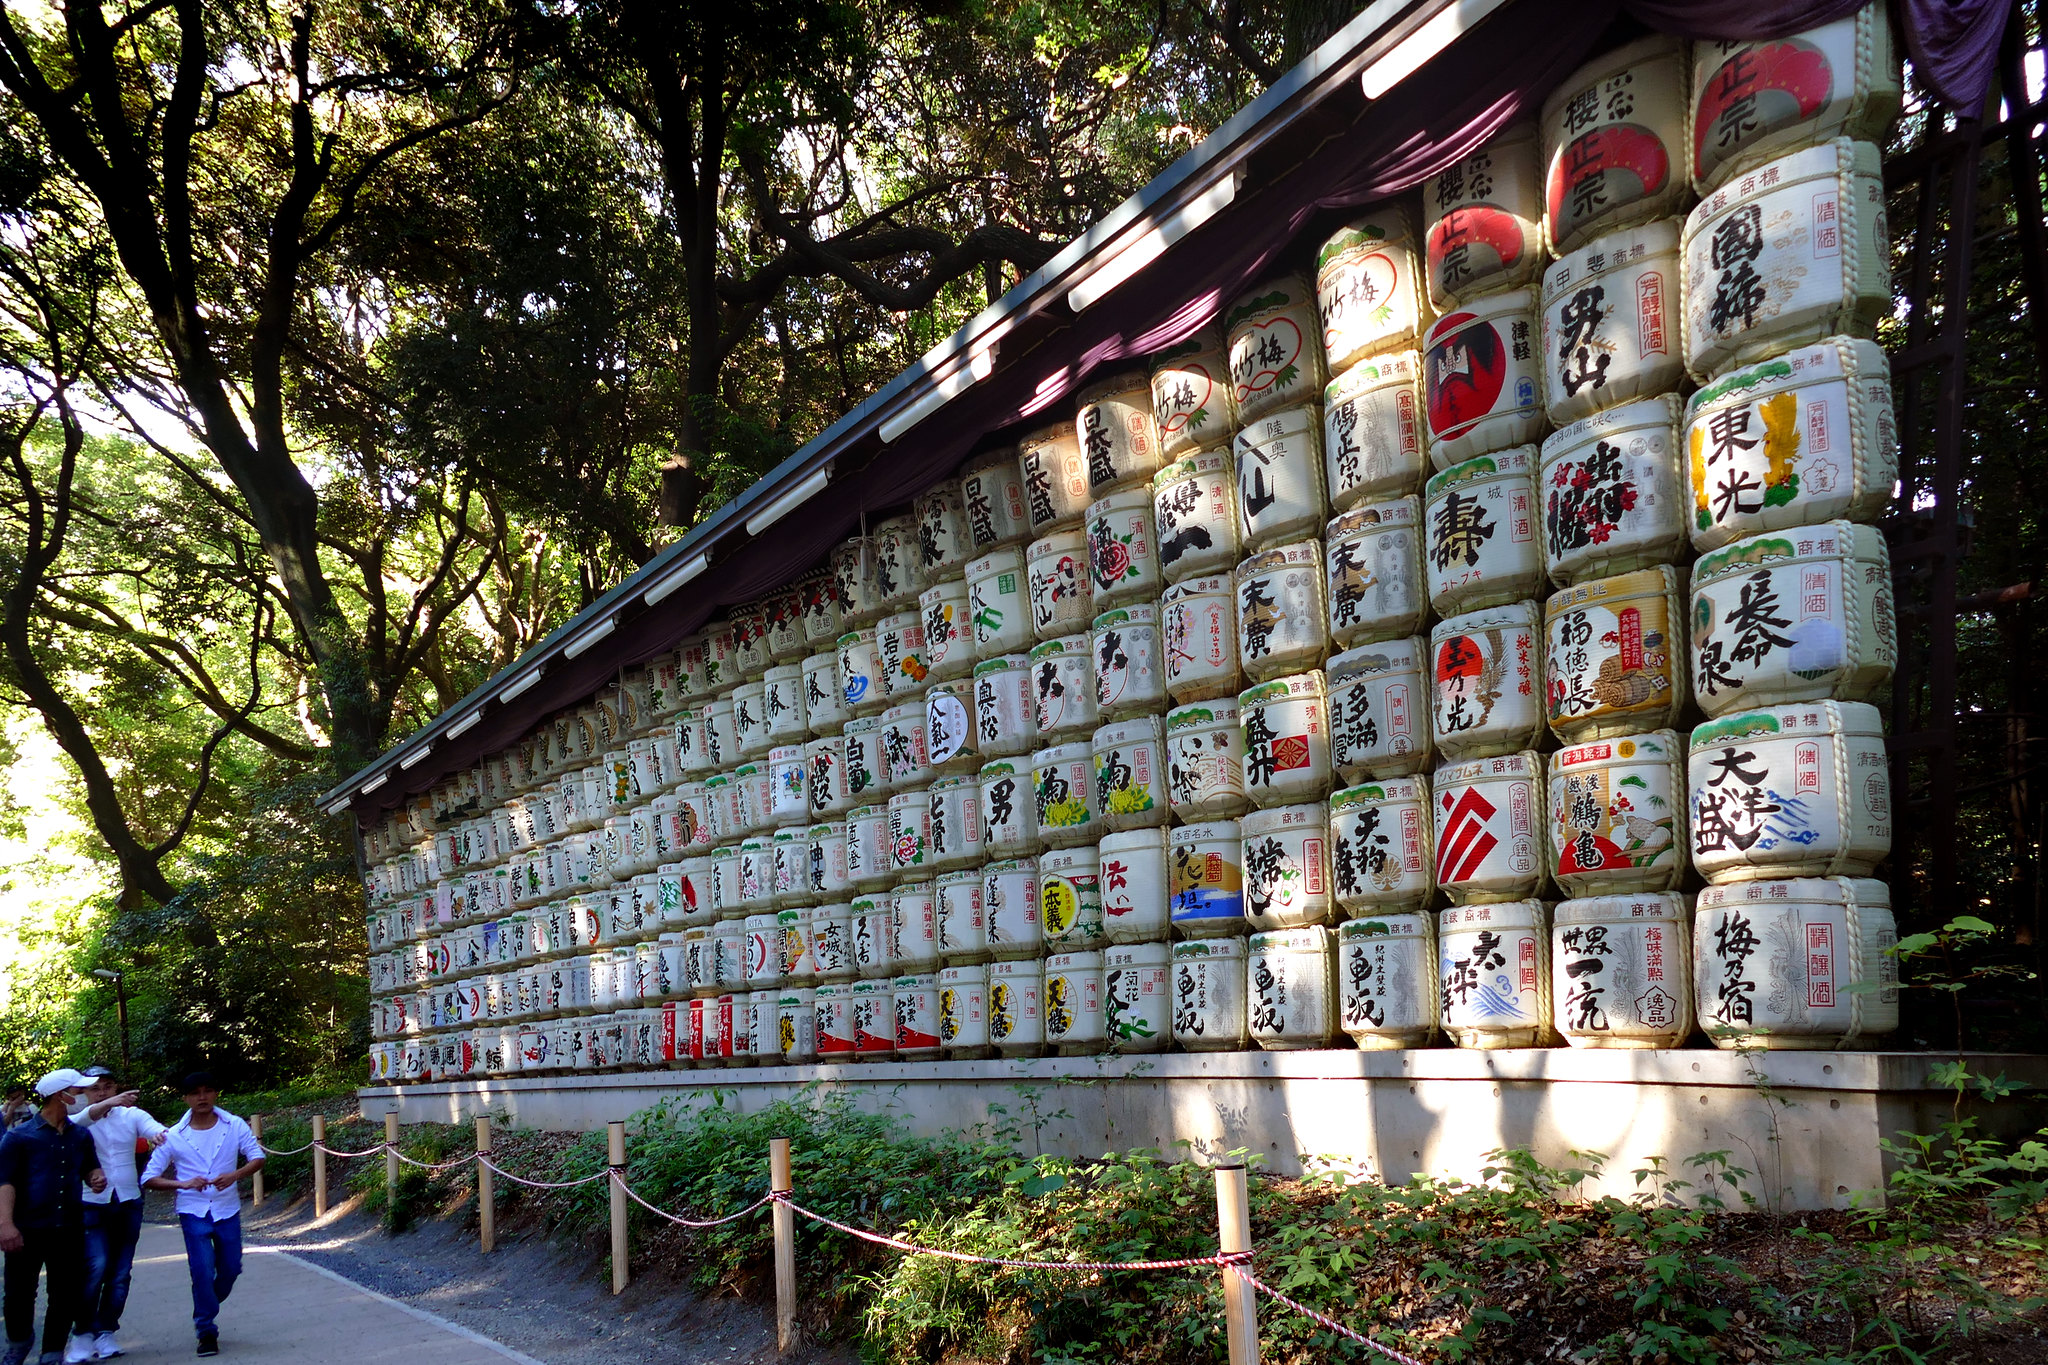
(1329, 1322)
(1231, 1258)
(435, 1168)
(491, 1165)
(279, 1151)
(678, 1219)
(367, 1151)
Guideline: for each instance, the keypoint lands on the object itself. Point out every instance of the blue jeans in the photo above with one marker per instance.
(213, 1253)
(110, 1232)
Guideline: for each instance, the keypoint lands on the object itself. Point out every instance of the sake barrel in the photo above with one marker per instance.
(874, 1020)
(1009, 818)
(1614, 142)
(792, 845)
(1057, 581)
(1488, 667)
(917, 1016)
(1493, 973)
(832, 941)
(1055, 478)
(750, 641)
(820, 604)
(998, 604)
(1753, 99)
(1005, 719)
(915, 946)
(868, 847)
(910, 832)
(1009, 897)
(1372, 429)
(763, 950)
(749, 719)
(1193, 402)
(1481, 522)
(1136, 1016)
(948, 630)
(799, 959)
(1130, 677)
(1386, 980)
(830, 875)
(1119, 439)
(1286, 728)
(833, 1014)
(943, 542)
(854, 583)
(1799, 791)
(1016, 1016)
(725, 880)
(906, 750)
(1286, 863)
(1375, 582)
(1279, 460)
(789, 800)
(1382, 846)
(963, 920)
(1205, 761)
(899, 562)
(1797, 440)
(1621, 972)
(1799, 963)
(1612, 666)
(1070, 898)
(1063, 686)
(1612, 494)
(1134, 886)
(1377, 728)
(963, 1012)
(1072, 999)
(757, 873)
(1801, 614)
(1130, 768)
(867, 760)
(1291, 992)
(956, 832)
(721, 743)
(1123, 554)
(1063, 791)
(1198, 624)
(1194, 512)
(1785, 255)
(1483, 220)
(825, 776)
(750, 786)
(1369, 289)
(1610, 321)
(1482, 378)
(1282, 624)
(1489, 844)
(701, 666)
(1276, 357)
(860, 673)
(1617, 814)
(796, 1024)
(899, 641)
(992, 490)
(874, 935)
(1209, 995)
(785, 620)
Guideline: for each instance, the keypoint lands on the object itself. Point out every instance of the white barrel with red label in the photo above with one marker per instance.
(1285, 725)
(1373, 429)
(874, 1020)
(1790, 791)
(832, 1012)
(1016, 1015)
(1209, 995)
(1005, 719)
(963, 1012)
(1286, 863)
(1207, 879)
(1291, 988)
(796, 1024)
(860, 673)
(1009, 898)
(1198, 627)
(1614, 142)
(1063, 795)
(866, 765)
(906, 750)
(1378, 725)
(1275, 348)
(910, 833)
(998, 602)
(899, 642)
(868, 848)
(819, 601)
(874, 936)
(1386, 980)
(1063, 686)
(1134, 886)
(914, 946)
(825, 709)
(1617, 814)
(1282, 624)
(1056, 567)
(963, 919)
(1193, 403)
(832, 942)
(1613, 498)
(1614, 662)
(1123, 553)
(917, 1016)
(1482, 533)
(1074, 1022)
(1374, 559)
(1489, 834)
(1119, 439)
(992, 491)
(1009, 817)
(1055, 477)
(1136, 1006)
(1802, 963)
(1483, 220)
(1621, 970)
(825, 777)
(1488, 668)
(1130, 679)
(943, 542)
(831, 878)
(1801, 614)
(1369, 290)
(1194, 514)
(1070, 898)
(1482, 378)
(1279, 460)
(948, 625)
(1129, 762)
(1382, 846)
(956, 833)
(1493, 975)
(1205, 761)
(1610, 321)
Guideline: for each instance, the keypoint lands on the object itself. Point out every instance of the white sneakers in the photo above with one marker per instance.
(105, 1347)
(78, 1350)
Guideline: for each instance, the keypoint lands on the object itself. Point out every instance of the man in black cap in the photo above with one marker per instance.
(44, 1163)
(205, 1157)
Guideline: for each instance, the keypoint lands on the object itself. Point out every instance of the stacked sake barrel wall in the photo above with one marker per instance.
(1470, 639)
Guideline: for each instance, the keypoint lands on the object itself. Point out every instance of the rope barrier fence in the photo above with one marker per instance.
(1235, 1265)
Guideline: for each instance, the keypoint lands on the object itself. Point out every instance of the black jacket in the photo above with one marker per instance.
(47, 1167)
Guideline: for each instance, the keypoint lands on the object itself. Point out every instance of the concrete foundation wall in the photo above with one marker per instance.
(1807, 1124)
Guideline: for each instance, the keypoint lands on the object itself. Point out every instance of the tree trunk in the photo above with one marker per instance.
(1308, 23)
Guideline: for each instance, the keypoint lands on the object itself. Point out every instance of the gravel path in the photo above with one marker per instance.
(547, 1300)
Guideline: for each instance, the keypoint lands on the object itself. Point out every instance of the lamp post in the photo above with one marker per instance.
(120, 1013)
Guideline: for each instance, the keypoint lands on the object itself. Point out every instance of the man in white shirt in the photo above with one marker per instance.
(113, 1216)
(205, 1158)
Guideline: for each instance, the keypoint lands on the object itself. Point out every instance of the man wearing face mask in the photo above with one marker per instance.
(113, 1216)
(44, 1165)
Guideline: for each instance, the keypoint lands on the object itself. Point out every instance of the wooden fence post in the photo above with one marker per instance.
(391, 1164)
(1234, 1233)
(256, 1180)
(785, 1245)
(486, 1188)
(615, 1134)
(319, 1165)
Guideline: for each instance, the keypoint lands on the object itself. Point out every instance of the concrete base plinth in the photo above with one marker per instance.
(1807, 1125)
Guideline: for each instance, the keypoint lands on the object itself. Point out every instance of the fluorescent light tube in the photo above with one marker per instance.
(417, 756)
(466, 724)
(809, 487)
(1412, 53)
(521, 686)
(590, 637)
(942, 393)
(379, 780)
(676, 578)
(1126, 260)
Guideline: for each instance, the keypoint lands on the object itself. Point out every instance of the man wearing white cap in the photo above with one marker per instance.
(44, 1163)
